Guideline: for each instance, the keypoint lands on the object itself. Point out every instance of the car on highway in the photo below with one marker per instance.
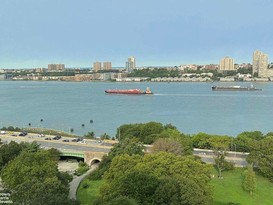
(23, 134)
(76, 140)
(47, 138)
(57, 137)
(65, 140)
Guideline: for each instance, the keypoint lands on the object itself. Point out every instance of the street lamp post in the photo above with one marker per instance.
(235, 149)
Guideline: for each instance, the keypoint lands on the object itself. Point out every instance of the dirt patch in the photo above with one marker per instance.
(69, 167)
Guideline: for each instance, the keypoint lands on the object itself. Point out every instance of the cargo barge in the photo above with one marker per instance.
(130, 92)
(235, 88)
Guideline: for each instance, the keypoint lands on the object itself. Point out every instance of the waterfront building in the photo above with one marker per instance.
(226, 64)
(56, 67)
(211, 67)
(107, 66)
(131, 64)
(96, 66)
(260, 64)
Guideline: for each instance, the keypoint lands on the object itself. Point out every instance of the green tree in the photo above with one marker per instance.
(104, 137)
(201, 140)
(33, 178)
(167, 192)
(120, 200)
(249, 180)
(146, 133)
(89, 135)
(127, 146)
(8, 152)
(261, 155)
(138, 185)
(129, 176)
(220, 146)
(30, 147)
(245, 140)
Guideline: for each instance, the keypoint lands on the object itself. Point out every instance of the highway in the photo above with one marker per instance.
(238, 158)
(207, 156)
(86, 145)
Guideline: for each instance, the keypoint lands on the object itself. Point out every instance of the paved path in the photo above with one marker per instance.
(77, 180)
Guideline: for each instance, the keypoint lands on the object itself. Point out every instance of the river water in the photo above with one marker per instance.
(191, 107)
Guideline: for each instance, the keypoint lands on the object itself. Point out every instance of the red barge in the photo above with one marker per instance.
(130, 92)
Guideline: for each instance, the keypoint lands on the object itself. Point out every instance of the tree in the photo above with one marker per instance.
(167, 145)
(173, 134)
(220, 146)
(33, 178)
(245, 140)
(89, 135)
(201, 140)
(146, 133)
(249, 180)
(261, 156)
(8, 152)
(120, 200)
(138, 185)
(126, 146)
(30, 147)
(104, 137)
(139, 178)
(206, 141)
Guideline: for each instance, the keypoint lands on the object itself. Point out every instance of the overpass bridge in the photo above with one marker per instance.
(88, 157)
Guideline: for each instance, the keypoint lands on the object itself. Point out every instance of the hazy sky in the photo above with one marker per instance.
(34, 33)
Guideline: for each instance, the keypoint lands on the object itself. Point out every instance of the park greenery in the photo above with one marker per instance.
(134, 172)
(83, 167)
(128, 167)
(30, 174)
(227, 191)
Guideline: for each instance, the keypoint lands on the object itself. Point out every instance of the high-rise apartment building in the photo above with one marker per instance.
(107, 66)
(56, 67)
(260, 64)
(130, 64)
(226, 64)
(96, 66)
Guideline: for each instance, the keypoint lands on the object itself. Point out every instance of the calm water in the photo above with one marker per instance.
(191, 107)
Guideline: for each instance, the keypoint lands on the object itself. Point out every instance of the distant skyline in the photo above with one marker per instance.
(35, 33)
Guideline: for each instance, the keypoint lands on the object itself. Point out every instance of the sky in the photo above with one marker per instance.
(35, 33)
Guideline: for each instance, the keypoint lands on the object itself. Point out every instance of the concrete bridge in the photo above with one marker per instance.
(89, 157)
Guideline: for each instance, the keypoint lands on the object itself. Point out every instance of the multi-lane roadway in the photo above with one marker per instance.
(104, 146)
(81, 146)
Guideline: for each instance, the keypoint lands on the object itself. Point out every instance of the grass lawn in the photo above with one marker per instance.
(230, 189)
(88, 195)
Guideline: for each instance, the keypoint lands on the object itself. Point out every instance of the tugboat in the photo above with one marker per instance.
(130, 92)
(235, 88)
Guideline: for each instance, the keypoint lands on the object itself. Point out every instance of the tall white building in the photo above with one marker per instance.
(260, 64)
(131, 64)
(226, 64)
